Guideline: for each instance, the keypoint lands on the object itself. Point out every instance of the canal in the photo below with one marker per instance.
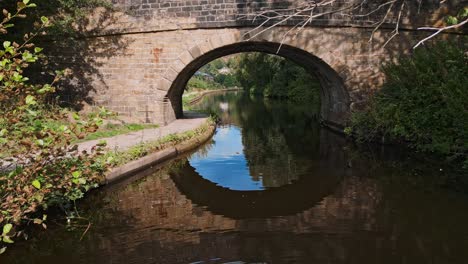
(272, 186)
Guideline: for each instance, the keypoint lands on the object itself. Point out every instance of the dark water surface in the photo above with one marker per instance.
(271, 187)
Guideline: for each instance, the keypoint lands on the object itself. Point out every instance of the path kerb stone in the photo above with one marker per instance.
(123, 142)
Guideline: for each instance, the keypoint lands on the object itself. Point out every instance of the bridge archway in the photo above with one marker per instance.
(335, 102)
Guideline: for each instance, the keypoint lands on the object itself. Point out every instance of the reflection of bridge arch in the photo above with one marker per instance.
(286, 200)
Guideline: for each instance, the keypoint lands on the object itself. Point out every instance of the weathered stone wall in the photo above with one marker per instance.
(156, 15)
(137, 58)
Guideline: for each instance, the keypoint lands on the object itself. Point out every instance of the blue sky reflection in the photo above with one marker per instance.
(225, 163)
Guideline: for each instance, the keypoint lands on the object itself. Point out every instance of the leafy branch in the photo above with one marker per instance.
(39, 165)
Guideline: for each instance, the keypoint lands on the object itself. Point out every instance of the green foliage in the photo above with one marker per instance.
(209, 76)
(274, 76)
(424, 102)
(41, 167)
(203, 83)
(65, 15)
(462, 15)
(111, 130)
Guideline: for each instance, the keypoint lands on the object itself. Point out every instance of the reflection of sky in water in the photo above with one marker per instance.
(225, 163)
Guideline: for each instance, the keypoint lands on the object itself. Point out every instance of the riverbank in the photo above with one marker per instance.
(122, 156)
(136, 151)
(199, 96)
(191, 133)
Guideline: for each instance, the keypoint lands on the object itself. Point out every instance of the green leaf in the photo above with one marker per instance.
(36, 184)
(25, 2)
(31, 112)
(45, 89)
(2, 250)
(30, 100)
(8, 240)
(109, 160)
(44, 20)
(21, 5)
(79, 181)
(7, 228)
(452, 20)
(6, 44)
(76, 116)
(37, 49)
(40, 142)
(463, 13)
(76, 174)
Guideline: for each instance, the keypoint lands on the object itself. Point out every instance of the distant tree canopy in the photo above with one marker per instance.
(259, 74)
(211, 76)
(274, 76)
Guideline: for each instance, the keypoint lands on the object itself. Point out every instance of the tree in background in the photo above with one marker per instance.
(275, 77)
(215, 75)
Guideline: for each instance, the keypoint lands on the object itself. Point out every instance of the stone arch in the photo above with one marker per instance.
(334, 95)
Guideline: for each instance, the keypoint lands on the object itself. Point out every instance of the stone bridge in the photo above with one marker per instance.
(137, 58)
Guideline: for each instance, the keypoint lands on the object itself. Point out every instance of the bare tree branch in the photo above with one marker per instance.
(438, 31)
(377, 12)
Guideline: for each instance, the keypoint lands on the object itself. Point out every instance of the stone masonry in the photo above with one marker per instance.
(137, 58)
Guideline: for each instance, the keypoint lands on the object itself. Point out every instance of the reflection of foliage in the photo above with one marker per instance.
(203, 151)
(276, 151)
(409, 173)
(423, 101)
(271, 145)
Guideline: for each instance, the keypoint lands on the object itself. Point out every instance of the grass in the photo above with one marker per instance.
(105, 131)
(187, 98)
(117, 158)
(111, 130)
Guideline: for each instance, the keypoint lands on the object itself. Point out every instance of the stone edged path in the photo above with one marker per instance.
(191, 121)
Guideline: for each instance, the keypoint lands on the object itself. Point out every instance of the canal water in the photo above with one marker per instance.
(272, 186)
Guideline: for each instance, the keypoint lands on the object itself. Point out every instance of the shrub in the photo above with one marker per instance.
(39, 166)
(424, 101)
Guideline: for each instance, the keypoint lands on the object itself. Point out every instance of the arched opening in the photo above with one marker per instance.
(334, 96)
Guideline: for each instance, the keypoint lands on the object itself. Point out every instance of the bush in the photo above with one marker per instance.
(39, 166)
(202, 83)
(424, 101)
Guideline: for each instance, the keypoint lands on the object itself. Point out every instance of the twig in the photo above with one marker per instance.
(438, 31)
(86, 231)
(381, 21)
(397, 26)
